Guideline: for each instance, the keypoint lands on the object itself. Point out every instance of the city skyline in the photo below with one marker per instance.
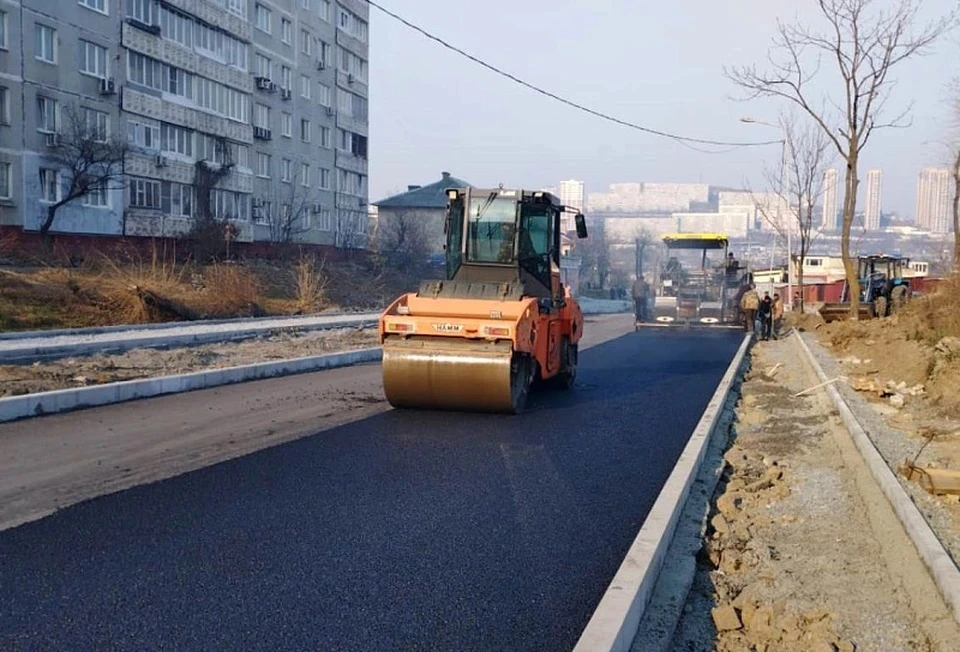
(873, 203)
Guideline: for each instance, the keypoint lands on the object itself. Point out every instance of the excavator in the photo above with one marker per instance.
(499, 322)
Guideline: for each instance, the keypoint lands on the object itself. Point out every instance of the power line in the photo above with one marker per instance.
(681, 139)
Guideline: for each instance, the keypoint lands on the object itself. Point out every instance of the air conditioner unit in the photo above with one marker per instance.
(317, 209)
(53, 140)
(263, 83)
(321, 64)
(329, 110)
(262, 133)
(286, 93)
(273, 87)
(350, 78)
(161, 161)
(257, 202)
(107, 86)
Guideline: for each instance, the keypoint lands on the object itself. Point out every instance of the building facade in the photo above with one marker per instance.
(251, 111)
(829, 220)
(571, 193)
(934, 197)
(871, 212)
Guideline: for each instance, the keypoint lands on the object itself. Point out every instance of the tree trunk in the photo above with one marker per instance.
(48, 221)
(849, 210)
(956, 213)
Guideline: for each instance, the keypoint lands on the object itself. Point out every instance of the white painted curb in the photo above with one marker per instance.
(65, 400)
(937, 560)
(615, 621)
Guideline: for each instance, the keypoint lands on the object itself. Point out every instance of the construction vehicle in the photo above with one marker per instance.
(702, 295)
(499, 322)
(883, 289)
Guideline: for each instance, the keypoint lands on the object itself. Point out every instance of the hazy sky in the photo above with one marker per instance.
(657, 64)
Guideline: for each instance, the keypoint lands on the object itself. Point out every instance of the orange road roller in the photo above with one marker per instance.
(499, 321)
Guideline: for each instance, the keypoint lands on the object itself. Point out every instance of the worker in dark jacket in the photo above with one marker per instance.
(641, 295)
(765, 315)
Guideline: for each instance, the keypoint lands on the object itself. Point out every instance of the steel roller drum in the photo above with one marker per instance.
(451, 374)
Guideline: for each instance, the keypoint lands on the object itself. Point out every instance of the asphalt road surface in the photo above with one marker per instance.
(401, 530)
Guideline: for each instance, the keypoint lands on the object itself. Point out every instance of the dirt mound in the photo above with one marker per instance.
(920, 346)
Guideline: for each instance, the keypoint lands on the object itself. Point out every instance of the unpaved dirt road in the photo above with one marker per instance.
(50, 462)
(82, 371)
(803, 551)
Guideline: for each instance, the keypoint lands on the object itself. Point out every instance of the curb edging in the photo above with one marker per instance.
(615, 621)
(13, 408)
(935, 557)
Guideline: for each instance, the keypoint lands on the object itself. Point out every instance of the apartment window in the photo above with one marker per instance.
(352, 105)
(4, 105)
(286, 125)
(3, 30)
(262, 66)
(305, 219)
(96, 5)
(263, 165)
(286, 80)
(352, 64)
(305, 41)
(176, 26)
(178, 82)
(97, 195)
(305, 130)
(49, 185)
(143, 134)
(45, 43)
(217, 152)
(324, 52)
(305, 86)
(263, 18)
(48, 115)
(305, 175)
(350, 183)
(261, 116)
(181, 200)
(325, 137)
(325, 223)
(144, 193)
(236, 7)
(213, 43)
(6, 182)
(144, 71)
(285, 169)
(286, 31)
(226, 204)
(177, 140)
(323, 10)
(143, 11)
(305, 4)
(324, 92)
(97, 124)
(221, 99)
(325, 178)
(93, 59)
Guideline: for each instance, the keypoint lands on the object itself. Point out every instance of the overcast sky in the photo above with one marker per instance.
(649, 62)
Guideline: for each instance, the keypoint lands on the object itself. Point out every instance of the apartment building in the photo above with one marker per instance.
(829, 220)
(871, 213)
(247, 110)
(934, 199)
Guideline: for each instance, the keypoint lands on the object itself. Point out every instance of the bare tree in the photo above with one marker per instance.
(643, 240)
(865, 43)
(212, 232)
(402, 239)
(88, 158)
(805, 162)
(289, 215)
(595, 257)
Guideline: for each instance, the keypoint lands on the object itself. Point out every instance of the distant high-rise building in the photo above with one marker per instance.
(934, 194)
(830, 179)
(871, 213)
(571, 194)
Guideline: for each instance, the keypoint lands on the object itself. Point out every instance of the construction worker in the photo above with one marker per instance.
(749, 304)
(765, 313)
(641, 293)
(777, 315)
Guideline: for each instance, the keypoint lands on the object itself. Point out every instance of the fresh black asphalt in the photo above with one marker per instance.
(406, 531)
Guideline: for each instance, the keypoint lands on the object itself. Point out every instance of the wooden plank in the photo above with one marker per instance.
(933, 481)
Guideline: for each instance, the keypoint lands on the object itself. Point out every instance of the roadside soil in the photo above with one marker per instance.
(802, 551)
(150, 363)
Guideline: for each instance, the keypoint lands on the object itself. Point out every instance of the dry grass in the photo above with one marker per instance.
(310, 283)
(931, 318)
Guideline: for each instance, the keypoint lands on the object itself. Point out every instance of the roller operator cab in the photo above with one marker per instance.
(500, 321)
